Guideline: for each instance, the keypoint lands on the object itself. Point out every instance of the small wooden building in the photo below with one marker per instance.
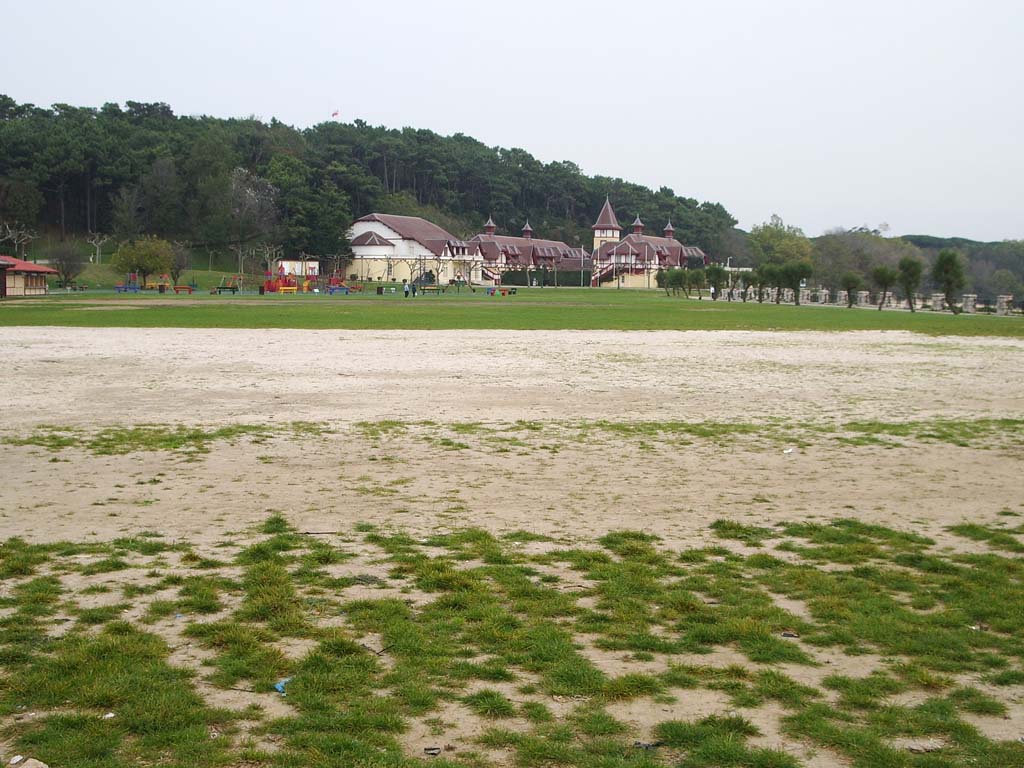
(24, 278)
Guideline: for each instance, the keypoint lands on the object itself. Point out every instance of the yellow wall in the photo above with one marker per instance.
(25, 285)
(377, 269)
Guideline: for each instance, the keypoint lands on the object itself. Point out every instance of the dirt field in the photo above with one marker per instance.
(562, 434)
(92, 378)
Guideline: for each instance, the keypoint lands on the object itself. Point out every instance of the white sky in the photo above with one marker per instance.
(909, 112)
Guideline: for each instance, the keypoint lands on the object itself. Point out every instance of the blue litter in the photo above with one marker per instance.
(280, 684)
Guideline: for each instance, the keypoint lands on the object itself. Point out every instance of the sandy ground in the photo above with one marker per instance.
(89, 378)
(503, 476)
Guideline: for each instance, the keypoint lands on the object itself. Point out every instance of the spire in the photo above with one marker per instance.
(638, 226)
(527, 230)
(606, 219)
(490, 226)
(670, 231)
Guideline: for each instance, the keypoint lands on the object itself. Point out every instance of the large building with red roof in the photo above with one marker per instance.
(23, 278)
(390, 247)
(634, 260)
(501, 253)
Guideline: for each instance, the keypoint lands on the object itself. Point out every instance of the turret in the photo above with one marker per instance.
(670, 231)
(606, 228)
(528, 230)
(490, 227)
(638, 226)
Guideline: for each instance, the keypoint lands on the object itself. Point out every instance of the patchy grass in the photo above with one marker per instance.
(118, 441)
(481, 614)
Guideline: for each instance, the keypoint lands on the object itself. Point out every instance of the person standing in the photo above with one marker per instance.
(414, 290)
(405, 288)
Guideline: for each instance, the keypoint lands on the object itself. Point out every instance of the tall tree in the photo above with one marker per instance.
(145, 256)
(910, 271)
(851, 282)
(948, 274)
(794, 274)
(68, 260)
(884, 277)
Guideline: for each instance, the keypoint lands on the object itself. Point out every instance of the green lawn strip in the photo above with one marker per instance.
(548, 309)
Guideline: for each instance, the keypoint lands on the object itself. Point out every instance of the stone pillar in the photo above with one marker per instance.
(805, 295)
(841, 298)
(970, 300)
(823, 296)
(938, 302)
(863, 298)
(1004, 304)
(787, 295)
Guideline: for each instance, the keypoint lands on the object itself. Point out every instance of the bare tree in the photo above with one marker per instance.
(97, 239)
(68, 260)
(20, 235)
(269, 254)
(182, 256)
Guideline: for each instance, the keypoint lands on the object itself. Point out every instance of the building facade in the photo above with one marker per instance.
(633, 261)
(24, 278)
(390, 247)
(502, 253)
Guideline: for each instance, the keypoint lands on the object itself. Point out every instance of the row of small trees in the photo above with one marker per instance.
(947, 273)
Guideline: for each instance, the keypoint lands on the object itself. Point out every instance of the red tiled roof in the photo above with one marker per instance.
(411, 227)
(666, 251)
(527, 251)
(19, 265)
(606, 219)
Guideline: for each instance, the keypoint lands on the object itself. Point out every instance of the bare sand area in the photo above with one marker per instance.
(550, 480)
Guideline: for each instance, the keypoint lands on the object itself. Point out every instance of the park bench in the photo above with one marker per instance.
(288, 289)
(183, 289)
(126, 288)
(503, 291)
(431, 289)
(226, 289)
(333, 289)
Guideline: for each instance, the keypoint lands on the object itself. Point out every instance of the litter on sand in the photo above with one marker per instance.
(280, 684)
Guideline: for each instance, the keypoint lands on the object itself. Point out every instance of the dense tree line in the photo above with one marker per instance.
(254, 189)
(222, 183)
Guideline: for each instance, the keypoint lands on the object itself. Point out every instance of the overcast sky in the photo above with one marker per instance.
(909, 112)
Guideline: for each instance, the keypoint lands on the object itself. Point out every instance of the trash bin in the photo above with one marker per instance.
(263, 290)
(162, 288)
(380, 290)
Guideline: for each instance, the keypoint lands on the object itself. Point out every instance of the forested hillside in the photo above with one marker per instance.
(140, 168)
(234, 191)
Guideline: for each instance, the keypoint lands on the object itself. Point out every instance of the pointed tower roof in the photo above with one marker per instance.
(637, 222)
(527, 229)
(490, 223)
(606, 219)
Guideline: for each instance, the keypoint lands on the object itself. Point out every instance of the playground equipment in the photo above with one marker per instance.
(161, 284)
(130, 284)
(231, 284)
